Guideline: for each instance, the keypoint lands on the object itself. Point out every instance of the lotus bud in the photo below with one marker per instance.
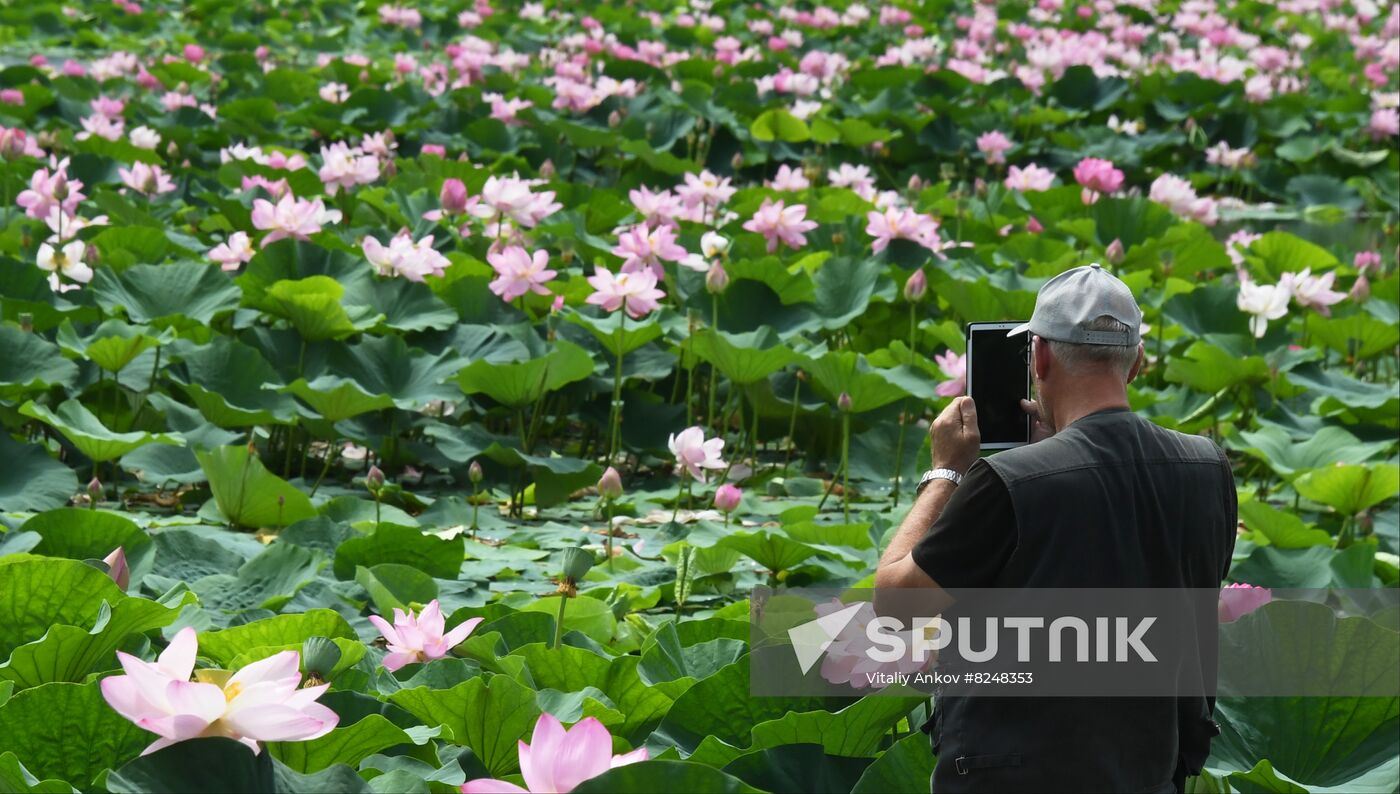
(577, 562)
(194, 53)
(614, 118)
(717, 279)
(474, 473)
(980, 187)
(1114, 252)
(374, 479)
(1361, 290)
(812, 171)
(843, 403)
(453, 197)
(1033, 226)
(916, 286)
(94, 489)
(557, 305)
(610, 484)
(117, 568)
(737, 161)
(916, 183)
(727, 498)
(319, 655)
(547, 169)
(12, 144)
(838, 238)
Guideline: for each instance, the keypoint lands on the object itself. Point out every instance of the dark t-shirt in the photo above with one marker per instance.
(972, 539)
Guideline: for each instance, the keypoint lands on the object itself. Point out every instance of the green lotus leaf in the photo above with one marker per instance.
(313, 307)
(1349, 489)
(844, 288)
(71, 653)
(1278, 528)
(1288, 456)
(572, 669)
(404, 545)
(905, 768)
(29, 363)
(779, 125)
(662, 775)
(521, 383)
(387, 366)
(177, 293)
(89, 435)
(267, 581)
(225, 380)
(797, 767)
(489, 717)
(743, 358)
(14, 777)
(32, 480)
(67, 732)
(617, 334)
(249, 495)
(846, 372)
(225, 645)
(112, 345)
(346, 744)
(1207, 368)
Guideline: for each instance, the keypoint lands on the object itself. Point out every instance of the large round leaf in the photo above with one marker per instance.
(247, 493)
(89, 435)
(225, 380)
(312, 306)
(523, 382)
(31, 479)
(29, 363)
(67, 731)
(652, 776)
(190, 291)
(112, 345)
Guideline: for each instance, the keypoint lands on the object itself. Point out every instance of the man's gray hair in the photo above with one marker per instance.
(1083, 359)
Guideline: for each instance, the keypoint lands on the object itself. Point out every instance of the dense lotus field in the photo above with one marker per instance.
(323, 321)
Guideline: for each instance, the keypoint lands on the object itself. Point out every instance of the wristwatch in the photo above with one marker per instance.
(937, 474)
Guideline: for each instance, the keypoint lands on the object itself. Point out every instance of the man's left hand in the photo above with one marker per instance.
(954, 436)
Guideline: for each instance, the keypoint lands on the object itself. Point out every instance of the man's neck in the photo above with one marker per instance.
(1089, 398)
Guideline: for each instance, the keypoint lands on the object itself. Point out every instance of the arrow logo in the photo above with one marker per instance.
(810, 640)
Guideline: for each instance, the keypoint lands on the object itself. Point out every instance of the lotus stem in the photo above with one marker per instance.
(792, 425)
(616, 430)
(714, 324)
(899, 451)
(845, 465)
(559, 621)
(332, 452)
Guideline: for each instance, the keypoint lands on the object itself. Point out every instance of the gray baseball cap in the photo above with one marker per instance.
(1068, 303)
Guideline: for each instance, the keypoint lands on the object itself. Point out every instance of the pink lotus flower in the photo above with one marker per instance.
(557, 760)
(117, 568)
(420, 638)
(1098, 177)
(15, 143)
(1032, 178)
(519, 271)
(510, 197)
(345, 167)
(993, 146)
(855, 177)
(727, 498)
(694, 453)
(1239, 600)
(237, 250)
(1367, 260)
(1385, 123)
(636, 291)
(705, 190)
(641, 248)
(148, 180)
(777, 223)
(262, 702)
(1315, 292)
(901, 224)
(789, 179)
(954, 365)
(404, 257)
(51, 189)
(1177, 195)
(291, 217)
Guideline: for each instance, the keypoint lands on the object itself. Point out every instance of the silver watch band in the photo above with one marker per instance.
(937, 474)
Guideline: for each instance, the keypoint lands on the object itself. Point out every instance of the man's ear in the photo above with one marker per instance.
(1040, 358)
(1137, 365)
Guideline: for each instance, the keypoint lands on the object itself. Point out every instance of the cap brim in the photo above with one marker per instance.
(1020, 329)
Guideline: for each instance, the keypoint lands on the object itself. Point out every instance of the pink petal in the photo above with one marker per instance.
(455, 637)
(205, 701)
(177, 660)
(398, 659)
(486, 785)
(126, 698)
(586, 753)
(277, 667)
(636, 756)
(275, 723)
(538, 758)
(385, 629)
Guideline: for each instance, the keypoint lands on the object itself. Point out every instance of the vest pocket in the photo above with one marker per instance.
(967, 763)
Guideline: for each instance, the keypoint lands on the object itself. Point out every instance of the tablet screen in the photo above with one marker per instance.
(998, 379)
